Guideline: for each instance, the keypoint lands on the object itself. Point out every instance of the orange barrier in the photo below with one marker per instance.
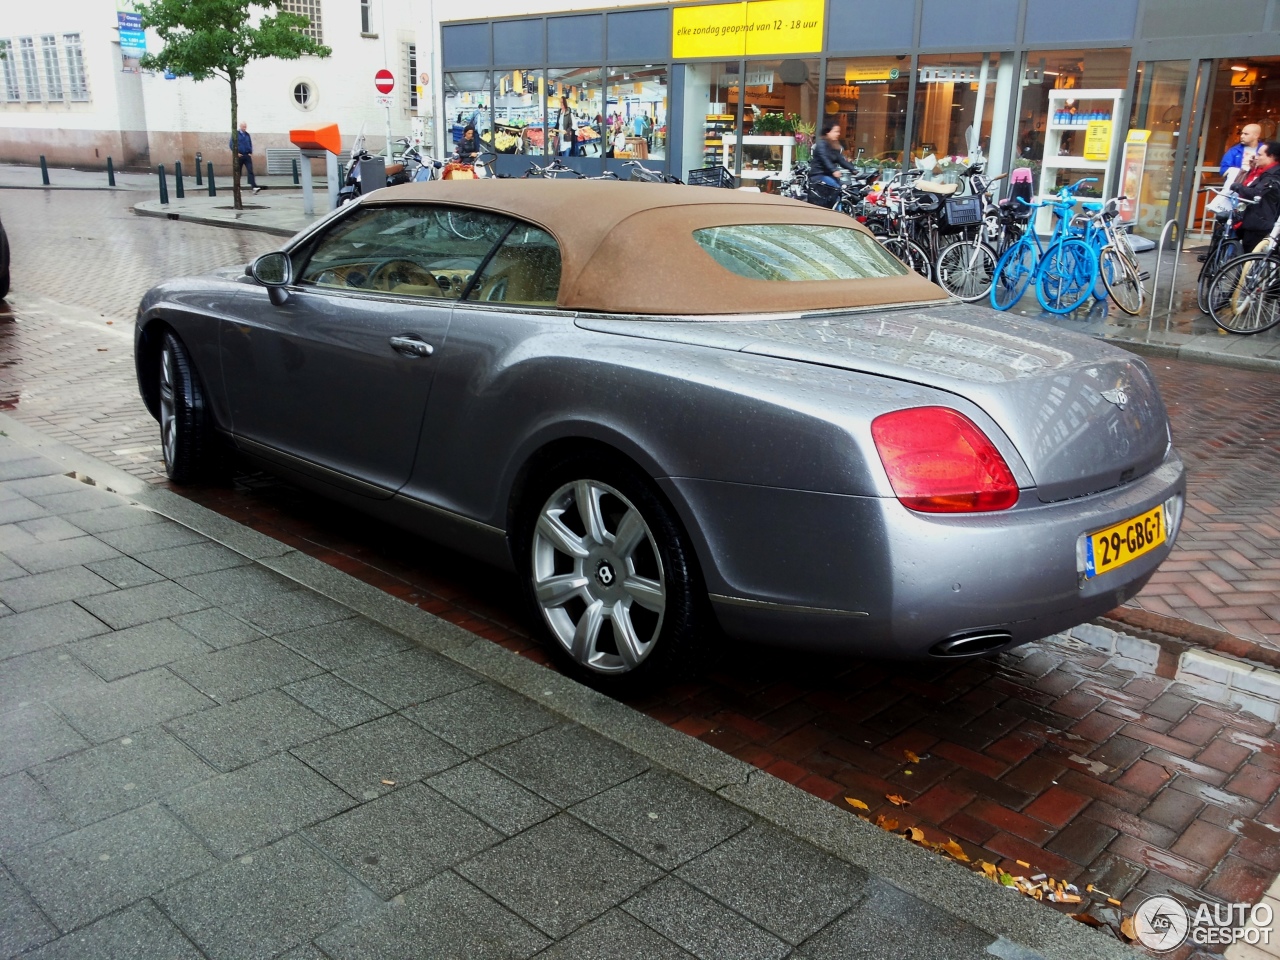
(321, 138)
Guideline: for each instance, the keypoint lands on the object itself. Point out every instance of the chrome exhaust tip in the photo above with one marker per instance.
(972, 644)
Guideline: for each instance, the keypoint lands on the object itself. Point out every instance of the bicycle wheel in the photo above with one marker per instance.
(910, 253)
(966, 269)
(1227, 250)
(1013, 274)
(1121, 278)
(1244, 297)
(1066, 275)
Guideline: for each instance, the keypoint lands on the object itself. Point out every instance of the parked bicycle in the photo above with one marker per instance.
(1244, 296)
(1117, 264)
(1064, 270)
(642, 174)
(1223, 246)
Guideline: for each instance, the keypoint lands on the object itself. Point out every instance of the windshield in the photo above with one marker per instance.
(798, 251)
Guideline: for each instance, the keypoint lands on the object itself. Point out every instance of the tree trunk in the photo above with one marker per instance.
(235, 146)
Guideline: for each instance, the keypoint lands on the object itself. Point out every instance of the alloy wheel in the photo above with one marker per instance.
(168, 411)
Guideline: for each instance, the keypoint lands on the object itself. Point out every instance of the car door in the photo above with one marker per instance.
(334, 379)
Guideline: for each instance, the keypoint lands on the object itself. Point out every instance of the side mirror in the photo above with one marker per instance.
(275, 272)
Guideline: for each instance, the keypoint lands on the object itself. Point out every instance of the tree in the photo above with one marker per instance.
(218, 38)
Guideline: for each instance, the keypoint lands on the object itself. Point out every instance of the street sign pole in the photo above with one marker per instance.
(384, 81)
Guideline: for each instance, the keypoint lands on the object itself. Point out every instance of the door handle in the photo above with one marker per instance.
(412, 346)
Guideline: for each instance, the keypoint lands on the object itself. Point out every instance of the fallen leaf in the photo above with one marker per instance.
(896, 800)
(1088, 919)
(955, 850)
(907, 773)
(915, 833)
(1006, 879)
(989, 869)
(856, 803)
(1126, 929)
(911, 755)
(887, 823)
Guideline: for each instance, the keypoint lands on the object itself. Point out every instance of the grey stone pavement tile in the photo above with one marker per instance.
(16, 535)
(559, 874)
(49, 529)
(408, 678)
(258, 804)
(445, 917)
(43, 675)
(152, 601)
(113, 518)
(150, 537)
(261, 905)
(46, 627)
(894, 924)
(44, 589)
(9, 570)
(122, 652)
(663, 818)
(32, 734)
(487, 794)
(84, 875)
(294, 611)
(614, 936)
(28, 466)
(20, 508)
(132, 703)
(45, 485)
(120, 775)
(246, 730)
(566, 764)
(43, 557)
(22, 926)
(140, 932)
(337, 701)
(705, 928)
(392, 749)
(192, 558)
(124, 572)
(217, 628)
(481, 718)
(334, 645)
(785, 886)
(77, 500)
(28, 814)
(239, 588)
(403, 839)
(243, 670)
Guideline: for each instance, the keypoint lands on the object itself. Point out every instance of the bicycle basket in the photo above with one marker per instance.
(962, 211)
(822, 194)
(716, 176)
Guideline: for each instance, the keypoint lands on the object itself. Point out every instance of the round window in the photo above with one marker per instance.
(304, 94)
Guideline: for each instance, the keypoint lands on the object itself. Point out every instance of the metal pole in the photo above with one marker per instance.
(1170, 226)
(213, 191)
(111, 173)
(295, 171)
(177, 179)
(199, 169)
(44, 170)
(164, 186)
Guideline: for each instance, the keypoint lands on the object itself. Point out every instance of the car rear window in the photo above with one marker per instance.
(798, 251)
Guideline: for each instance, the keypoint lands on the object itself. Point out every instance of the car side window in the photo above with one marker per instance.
(405, 250)
(525, 269)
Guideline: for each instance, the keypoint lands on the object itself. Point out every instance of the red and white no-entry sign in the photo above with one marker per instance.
(384, 81)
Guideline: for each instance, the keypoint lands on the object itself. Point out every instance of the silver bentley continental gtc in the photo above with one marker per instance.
(678, 413)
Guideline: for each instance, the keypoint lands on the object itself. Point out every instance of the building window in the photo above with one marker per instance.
(304, 95)
(366, 16)
(11, 89)
(52, 68)
(77, 82)
(411, 62)
(311, 10)
(30, 69)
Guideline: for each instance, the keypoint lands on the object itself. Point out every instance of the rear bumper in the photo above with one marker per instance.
(866, 576)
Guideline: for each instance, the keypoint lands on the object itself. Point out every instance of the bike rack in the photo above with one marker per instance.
(1155, 273)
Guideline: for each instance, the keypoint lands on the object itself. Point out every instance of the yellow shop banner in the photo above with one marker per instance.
(753, 28)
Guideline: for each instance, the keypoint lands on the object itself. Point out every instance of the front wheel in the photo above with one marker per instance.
(910, 253)
(1122, 280)
(966, 269)
(1227, 250)
(1066, 276)
(1013, 275)
(1245, 295)
(611, 574)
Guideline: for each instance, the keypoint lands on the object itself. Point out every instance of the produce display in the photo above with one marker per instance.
(505, 142)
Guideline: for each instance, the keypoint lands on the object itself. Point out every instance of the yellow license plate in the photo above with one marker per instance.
(1105, 550)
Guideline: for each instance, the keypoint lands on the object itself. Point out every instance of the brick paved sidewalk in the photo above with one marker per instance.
(206, 757)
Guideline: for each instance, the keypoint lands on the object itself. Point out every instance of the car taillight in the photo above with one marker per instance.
(938, 461)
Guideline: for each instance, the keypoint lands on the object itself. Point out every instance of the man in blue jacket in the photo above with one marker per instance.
(244, 153)
(1243, 151)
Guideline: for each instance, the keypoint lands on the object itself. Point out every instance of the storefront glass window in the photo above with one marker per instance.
(956, 106)
(580, 89)
(519, 117)
(868, 97)
(710, 110)
(636, 109)
(781, 101)
(467, 99)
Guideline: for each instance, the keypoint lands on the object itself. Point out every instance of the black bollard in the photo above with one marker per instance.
(164, 186)
(295, 171)
(44, 170)
(177, 179)
(213, 191)
(111, 174)
(199, 169)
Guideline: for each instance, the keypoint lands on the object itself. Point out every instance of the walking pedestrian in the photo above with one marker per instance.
(243, 147)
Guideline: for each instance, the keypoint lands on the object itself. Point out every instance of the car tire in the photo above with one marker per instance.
(186, 435)
(619, 615)
(4, 263)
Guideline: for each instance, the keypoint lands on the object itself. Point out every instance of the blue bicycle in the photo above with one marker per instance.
(1064, 269)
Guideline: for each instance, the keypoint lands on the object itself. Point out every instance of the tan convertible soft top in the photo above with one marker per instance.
(629, 247)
